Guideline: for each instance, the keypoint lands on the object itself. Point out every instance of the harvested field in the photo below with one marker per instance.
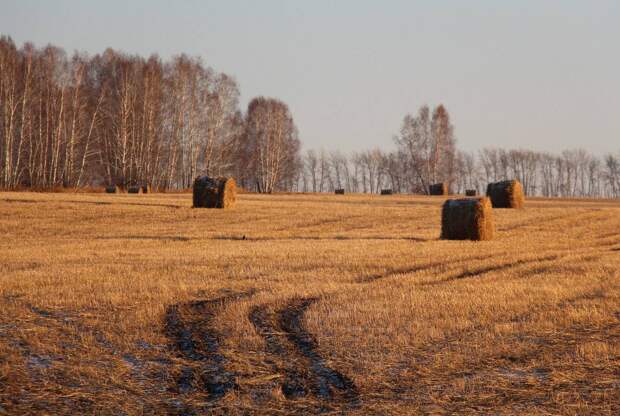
(305, 303)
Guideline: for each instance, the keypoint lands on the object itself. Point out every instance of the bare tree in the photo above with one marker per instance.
(428, 141)
(122, 119)
(271, 141)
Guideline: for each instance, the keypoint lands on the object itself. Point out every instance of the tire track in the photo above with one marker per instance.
(419, 268)
(295, 349)
(511, 372)
(295, 381)
(329, 384)
(67, 320)
(190, 327)
(606, 241)
(63, 201)
(71, 326)
(425, 355)
(506, 266)
(76, 337)
(484, 270)
(317, 223)
(325, 383)
(474, 273)
(314, 238)
(544, 220)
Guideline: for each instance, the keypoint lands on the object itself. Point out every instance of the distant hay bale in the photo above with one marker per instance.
(339, 191)
(386, 192)
(467, 219)
(134, 190)
(438, 189)
(506, 194)
(214, 192)
(111, 189)
(470, 192)
(146, 189)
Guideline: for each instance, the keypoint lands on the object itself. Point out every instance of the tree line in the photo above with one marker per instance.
(119, 119)
(571, 173)
(426, 153)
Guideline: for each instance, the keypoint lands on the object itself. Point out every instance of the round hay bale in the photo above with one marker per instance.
(470, 192)
(111, 189)
(467, 219)
(134, 190)
(386, 192)
(214, 192)
(506, 194)
(339, 191)
(438, 189)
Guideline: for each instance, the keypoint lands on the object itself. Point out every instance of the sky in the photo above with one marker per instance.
(535, 74)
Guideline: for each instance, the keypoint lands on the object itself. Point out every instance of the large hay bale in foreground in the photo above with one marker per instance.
(467, 219)
(438, 189)
(339, 191)
(214, 192)
(134, 190)
(470, 192)
(386, 192)
(506, 194)
(111, 189)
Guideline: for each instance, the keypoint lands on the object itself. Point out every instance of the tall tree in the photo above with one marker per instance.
(428, 141)
(271, 143)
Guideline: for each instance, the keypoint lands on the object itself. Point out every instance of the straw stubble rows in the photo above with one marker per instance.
(317, 303)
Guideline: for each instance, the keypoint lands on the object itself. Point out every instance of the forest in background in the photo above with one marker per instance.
(113, 118)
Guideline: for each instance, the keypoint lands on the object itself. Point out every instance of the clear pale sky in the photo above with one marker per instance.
(535, 74)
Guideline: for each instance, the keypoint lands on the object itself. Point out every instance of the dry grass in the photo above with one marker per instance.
(127, 304)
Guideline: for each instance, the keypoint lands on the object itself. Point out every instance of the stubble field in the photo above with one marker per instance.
(138, 304)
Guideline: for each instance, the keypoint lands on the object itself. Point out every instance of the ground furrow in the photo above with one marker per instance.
(295, 355)
(417, 268)
(190, 327)
(329, 384)
(295, 381)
